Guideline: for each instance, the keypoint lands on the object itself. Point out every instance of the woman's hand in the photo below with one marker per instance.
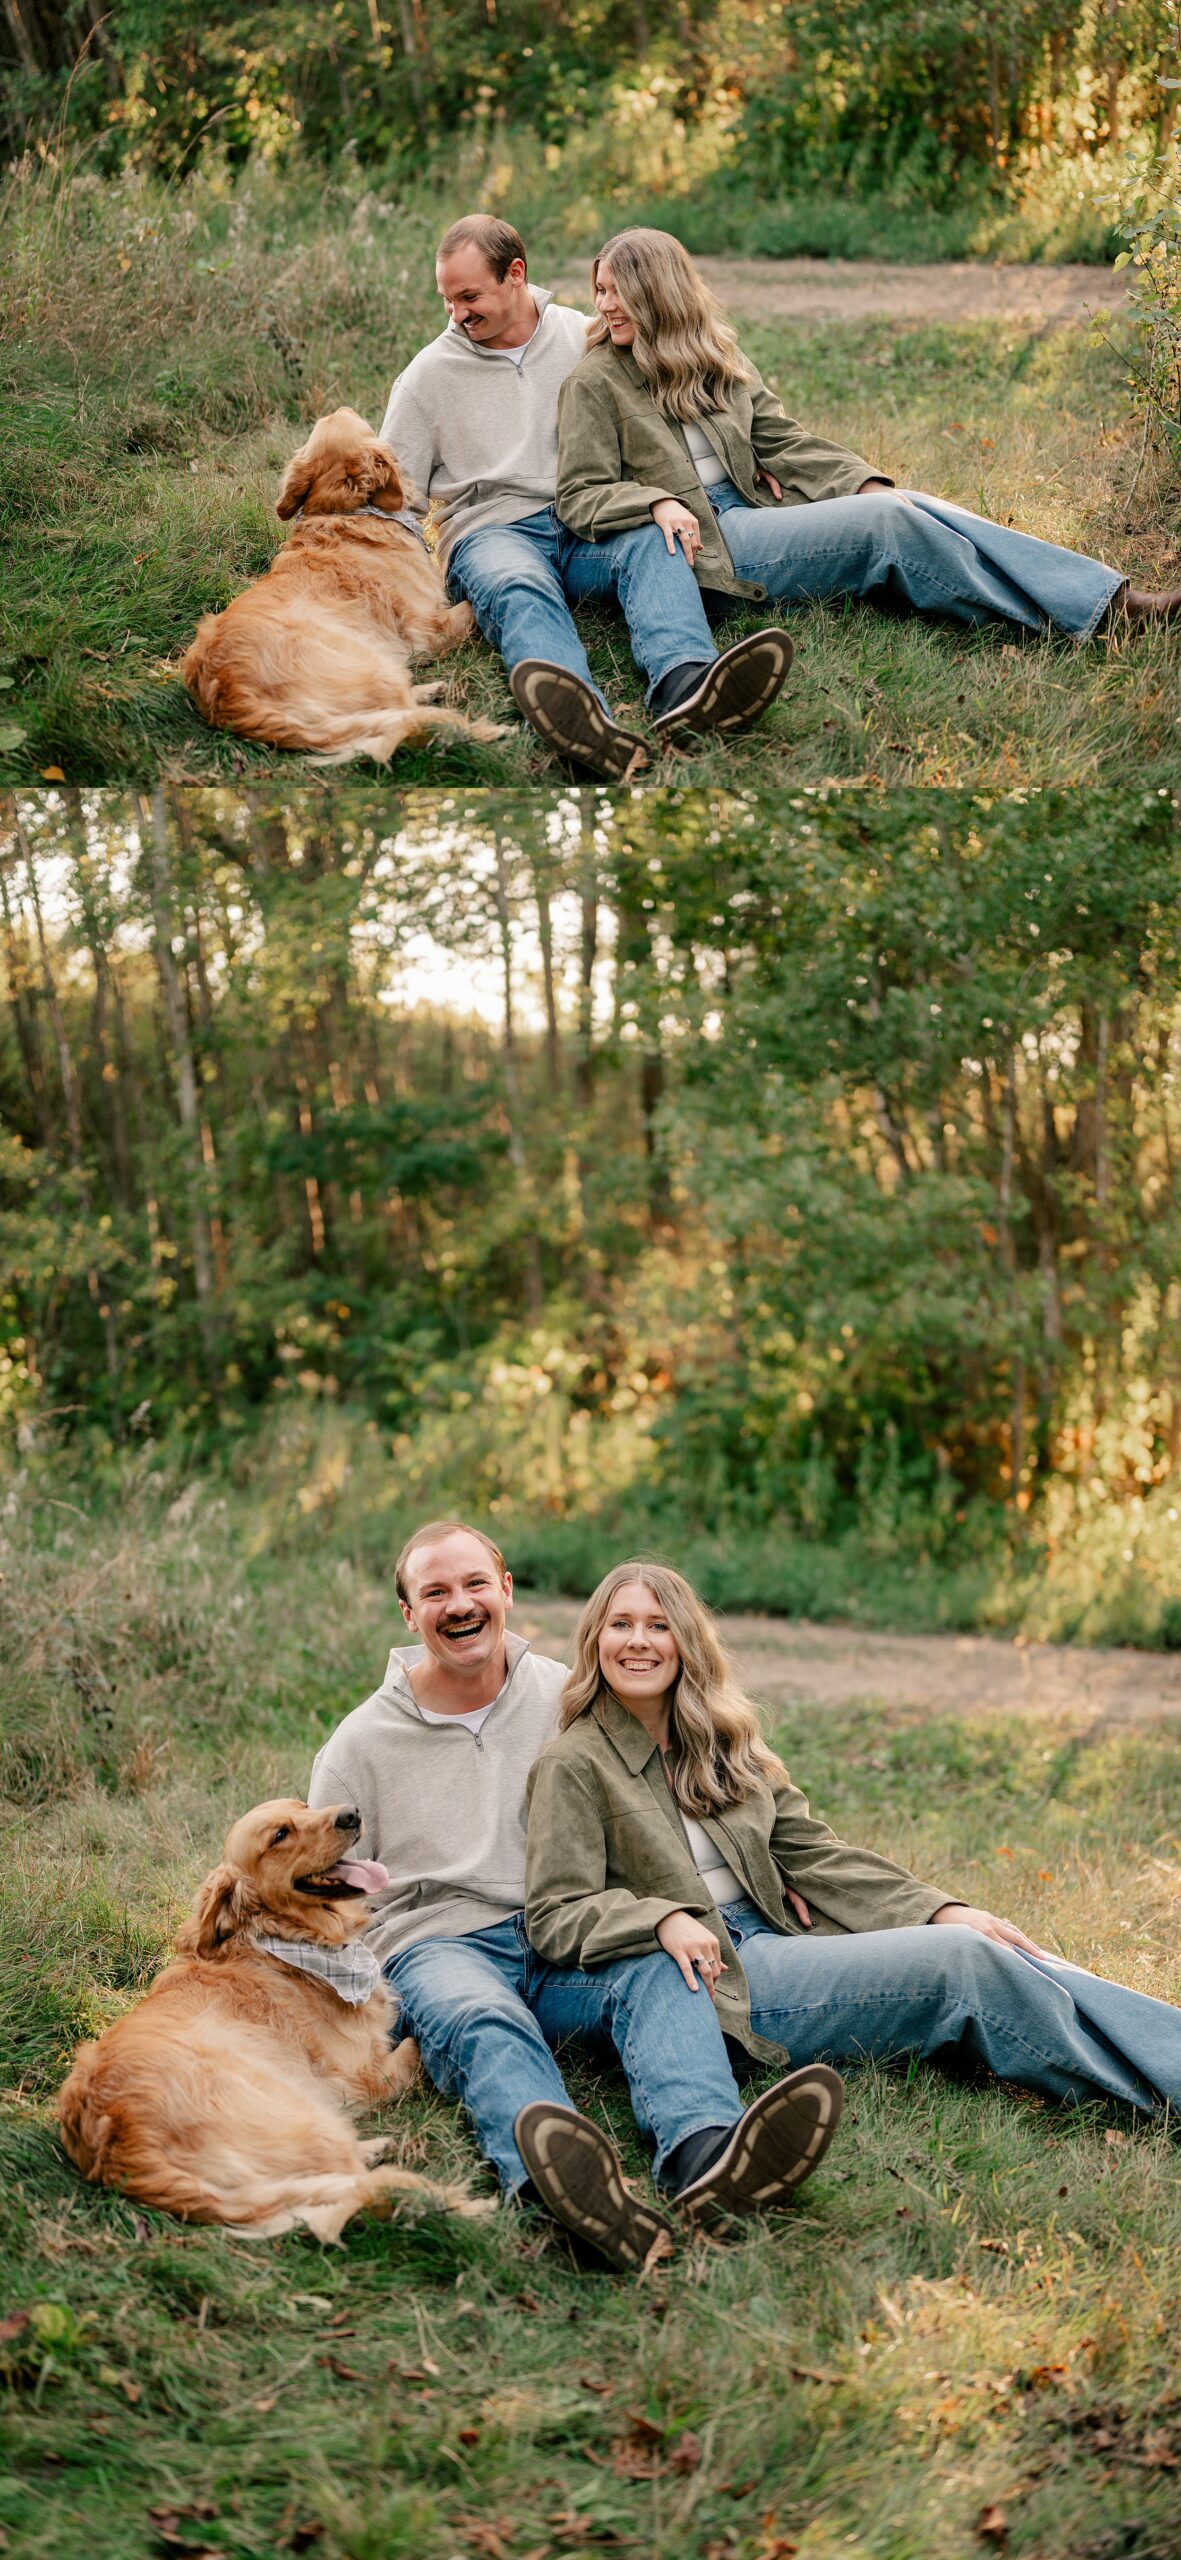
(775, 486)
(799, 1906)
(964, 1915)
(678, 524)
(691, 1944)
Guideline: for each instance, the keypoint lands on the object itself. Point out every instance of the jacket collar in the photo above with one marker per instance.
(632, 1740)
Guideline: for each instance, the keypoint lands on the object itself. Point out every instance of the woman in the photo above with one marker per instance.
(658, 1818)
(665, 417)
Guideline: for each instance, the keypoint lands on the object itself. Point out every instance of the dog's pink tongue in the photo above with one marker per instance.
(365, 1874)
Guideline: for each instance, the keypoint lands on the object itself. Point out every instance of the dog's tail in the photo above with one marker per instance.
(323, 2205)
(380, 733)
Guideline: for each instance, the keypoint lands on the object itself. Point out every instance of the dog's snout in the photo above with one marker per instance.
(348, 1819)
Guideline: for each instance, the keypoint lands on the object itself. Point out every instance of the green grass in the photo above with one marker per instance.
(163, 355)
(975, 2304)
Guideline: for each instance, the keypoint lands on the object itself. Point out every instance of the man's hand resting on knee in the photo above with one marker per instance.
(964, 1915)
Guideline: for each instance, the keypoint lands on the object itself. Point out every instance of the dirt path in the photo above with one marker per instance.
(786, 1661)
(868, 289)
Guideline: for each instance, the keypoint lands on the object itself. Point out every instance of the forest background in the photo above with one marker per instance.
(792, 1183)
(209, 235)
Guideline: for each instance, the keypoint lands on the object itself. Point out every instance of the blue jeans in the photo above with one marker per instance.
(927, 554)
(486, 2011)
(522, 579)
(941, 1993)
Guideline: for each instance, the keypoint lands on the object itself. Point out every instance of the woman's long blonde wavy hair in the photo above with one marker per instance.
(716, 1753)
(685, 348)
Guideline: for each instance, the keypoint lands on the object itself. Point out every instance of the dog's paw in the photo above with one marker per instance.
(402, 2068)
(378, 2147)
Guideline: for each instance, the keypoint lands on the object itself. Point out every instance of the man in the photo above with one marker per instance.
(436, 1762)
(474, 423)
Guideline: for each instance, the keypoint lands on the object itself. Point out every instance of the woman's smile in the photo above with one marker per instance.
(607, 304)
(638, 1654)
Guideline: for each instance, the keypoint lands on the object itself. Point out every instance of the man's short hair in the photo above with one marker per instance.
(442, 1529)
(496, 241)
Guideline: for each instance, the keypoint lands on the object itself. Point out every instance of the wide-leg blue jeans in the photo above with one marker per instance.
(901, 546)
(487, 2011)
(522, 579)
(948, 1993)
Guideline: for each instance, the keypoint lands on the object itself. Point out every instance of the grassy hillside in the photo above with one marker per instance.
(973, 2309)
(166, 351)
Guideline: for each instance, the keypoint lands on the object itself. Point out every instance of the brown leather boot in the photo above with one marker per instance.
(1135, 605)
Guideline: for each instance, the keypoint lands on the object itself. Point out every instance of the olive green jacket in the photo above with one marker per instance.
(608, 1859)
(618, 454)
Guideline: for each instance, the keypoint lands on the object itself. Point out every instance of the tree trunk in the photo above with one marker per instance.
(545, 932)
(104, 995)
(22, 995)
(154, 832)
(588, 944)
(516, 1146)
(1009, 1264)
(100, 1295)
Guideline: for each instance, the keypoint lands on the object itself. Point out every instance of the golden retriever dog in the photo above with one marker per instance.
(316, 655)
(220, 2097)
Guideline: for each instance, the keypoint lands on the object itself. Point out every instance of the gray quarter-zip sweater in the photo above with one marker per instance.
(477, 435)
(443, 1807)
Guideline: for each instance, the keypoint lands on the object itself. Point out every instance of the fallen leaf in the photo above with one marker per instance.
(262, 2408)
(343, 2372)
(631, 2459)
(302, 2536)
(589, 2383)
(485, 2540)
(663, 2246)
(686, 2453)
(116, 2381)
(13, 2326)
(52, 773)
(1156, 2452)
(469, 2435)
(992, 2524)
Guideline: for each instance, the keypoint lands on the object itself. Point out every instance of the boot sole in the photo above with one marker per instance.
(774, 2147)
(565, 713)
(577, 2176)
(738, 688)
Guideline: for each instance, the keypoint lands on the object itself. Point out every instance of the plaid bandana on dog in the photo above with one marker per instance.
(353, 1972)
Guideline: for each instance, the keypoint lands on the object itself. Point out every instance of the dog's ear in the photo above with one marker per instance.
(385, 481)
(295, 486)
(226, 1900)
